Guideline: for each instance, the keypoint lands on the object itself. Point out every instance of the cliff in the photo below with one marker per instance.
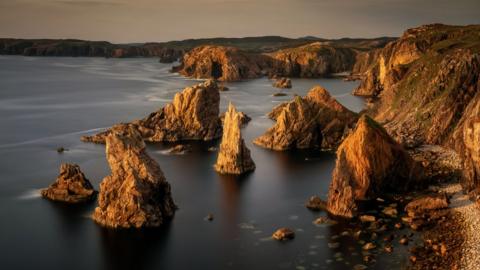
(369, 163)
(314, 121)
(192, 115)
(425, 87)
(136, 193)
(233, 156)
(221, 63)
(318, 59)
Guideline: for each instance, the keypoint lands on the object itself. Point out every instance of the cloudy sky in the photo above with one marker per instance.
(163, 20)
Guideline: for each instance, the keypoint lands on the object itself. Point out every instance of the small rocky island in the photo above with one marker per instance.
(136, 193)
(71, 186)
(192, 115)
(314, 121)
(234, 156)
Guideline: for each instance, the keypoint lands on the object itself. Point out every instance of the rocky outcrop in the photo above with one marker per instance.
(244, 118)
(222, 63)
(71, 186)
(318, 59)
(136, 193)
(314, 121)
(282, 83)
(234, 156)
(423, 205)
(283, 234)
(369, 163)
(192, 115)
(426, 87)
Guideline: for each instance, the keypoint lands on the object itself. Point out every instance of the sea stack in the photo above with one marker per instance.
(369, 163)
(314, 121)
(136, 194)
(234, 156)
(71, 186)
(192, 115)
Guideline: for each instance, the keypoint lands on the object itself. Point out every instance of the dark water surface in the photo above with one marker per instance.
(46, 103)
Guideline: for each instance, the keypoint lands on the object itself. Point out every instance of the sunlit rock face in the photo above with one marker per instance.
(314, 121)
(369, 163)
(136, 193)
(234, 156)
(71, 186)
(192, 115)
(222, 63)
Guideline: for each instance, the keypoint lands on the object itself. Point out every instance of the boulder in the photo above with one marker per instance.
(136, 193)
(71, 186)
(426, 204)
(369, 163)
(283, 83)
(314, 121)
(192, 115)
(234, 156)
(283, 234)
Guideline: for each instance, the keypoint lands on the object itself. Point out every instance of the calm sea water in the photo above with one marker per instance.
(46, 103)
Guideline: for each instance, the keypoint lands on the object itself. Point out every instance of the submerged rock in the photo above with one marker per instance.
(283, 234)
(234, 156)
(71, 186)
(192, 115)
(283, 83)
(136, 194)
(314, 121)
(180, 149)
(369, 163)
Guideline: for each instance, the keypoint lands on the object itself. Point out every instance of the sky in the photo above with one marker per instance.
(126, 21)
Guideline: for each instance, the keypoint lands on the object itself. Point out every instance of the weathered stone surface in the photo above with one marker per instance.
(136, 194)
(316, 59)
(283, 234)
(192, 115)
(71, 186)
(425, 204)
(234, 156)
(244, 118)
(282, 83)
(314, 121)
(222, 63)
(316, 204)
(369, 163)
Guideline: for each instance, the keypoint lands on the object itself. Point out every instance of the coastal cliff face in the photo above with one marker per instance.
(192, 115)
(73, 47)
(222, 63)
(425, 88)
(71, 186)
(314, 121)
(233, 156)
(317, 59)
(136, 194)
(369, 163)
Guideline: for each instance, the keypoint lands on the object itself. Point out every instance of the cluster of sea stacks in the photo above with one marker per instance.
(423, 117)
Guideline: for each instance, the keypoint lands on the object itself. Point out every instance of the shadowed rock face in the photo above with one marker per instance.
(222, 63)
(71, 186)
(314, 121)
(234, 156)
(369, 163)
(192, 115)
(136, 194)
(317, 59)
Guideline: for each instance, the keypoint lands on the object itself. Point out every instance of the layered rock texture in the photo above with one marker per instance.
(192, 115)
(222, 63)
(317, 59)
(369, 163)
(136, 194)
(234, 156)
(314, 121)
(426, 90)
(71, 186)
